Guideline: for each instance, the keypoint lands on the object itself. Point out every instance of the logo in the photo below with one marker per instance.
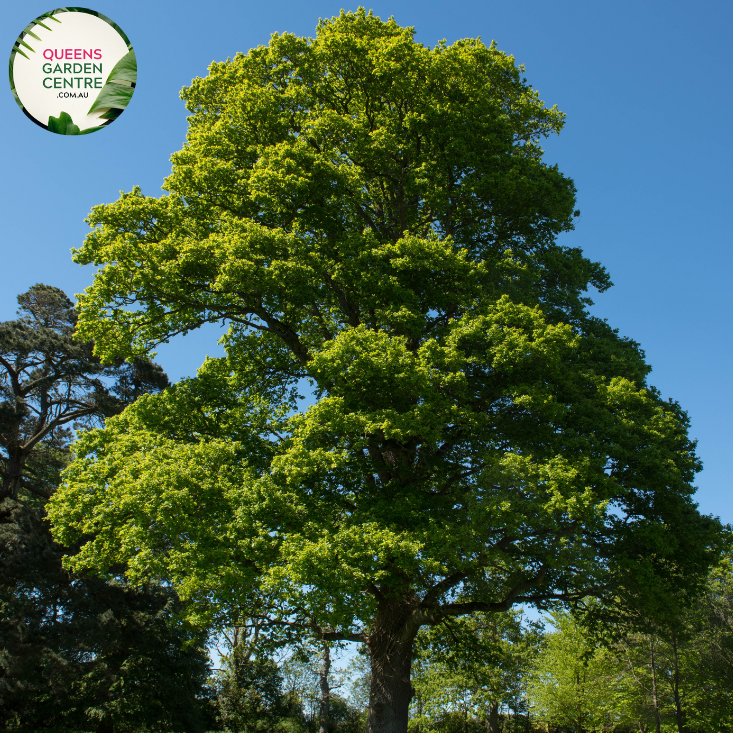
(73, 71)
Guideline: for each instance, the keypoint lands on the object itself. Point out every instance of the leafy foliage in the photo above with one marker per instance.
(375, 216)
(681, 671)
(64, 125)
(119, 87)
(473, 666)
(79, 653)
(254, 693)
(574, 683)
(249, 692)
(676, 675)
(708, 655)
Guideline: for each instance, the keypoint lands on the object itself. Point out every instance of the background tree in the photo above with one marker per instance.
(300, 684)
(575, 683)
(76, 652)
(679, 674)
(477, 664)
(250, 691)
(708, 657)
(648, 697)
(673, 676)
(309, 680)
(375, 216)
(50, 382)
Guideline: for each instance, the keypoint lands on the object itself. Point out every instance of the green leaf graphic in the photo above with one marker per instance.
(112, 114)
(63, 125)
(29, 32)
(116, 93)
(125, 69)
(112, 95)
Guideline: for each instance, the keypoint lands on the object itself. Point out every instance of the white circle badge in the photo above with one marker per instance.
(72, 71)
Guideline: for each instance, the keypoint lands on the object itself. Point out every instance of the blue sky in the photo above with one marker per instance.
(646, 85)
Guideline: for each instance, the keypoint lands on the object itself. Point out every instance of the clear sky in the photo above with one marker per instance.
(647, 88)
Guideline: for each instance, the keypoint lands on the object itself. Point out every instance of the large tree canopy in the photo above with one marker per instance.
(374, 216)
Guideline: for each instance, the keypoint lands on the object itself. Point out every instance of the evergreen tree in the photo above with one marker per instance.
(50, 382)
(76, 651)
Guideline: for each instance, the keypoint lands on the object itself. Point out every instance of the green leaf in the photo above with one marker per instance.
(63, 125)
(22, 54)
(125, 69)
(49, 16)
(112, 95)
(31, 33)
(116, 93)
(25, 44)
(112, 114)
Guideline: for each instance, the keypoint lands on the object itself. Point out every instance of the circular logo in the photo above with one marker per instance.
(72, 71)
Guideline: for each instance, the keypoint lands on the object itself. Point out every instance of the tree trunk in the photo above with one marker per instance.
(679, 715)
(390, 650)
(324, 711)
(492, 724)
(13, 473)
(655, 697)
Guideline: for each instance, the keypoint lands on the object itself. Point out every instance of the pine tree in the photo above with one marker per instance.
(75, 651)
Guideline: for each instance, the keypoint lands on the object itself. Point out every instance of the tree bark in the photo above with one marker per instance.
(324, 711)
(679, 715)
(655, 698)
(390, 650)
(14, 472)
(492, 724)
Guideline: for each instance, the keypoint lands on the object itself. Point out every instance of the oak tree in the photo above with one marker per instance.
(375, 216)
